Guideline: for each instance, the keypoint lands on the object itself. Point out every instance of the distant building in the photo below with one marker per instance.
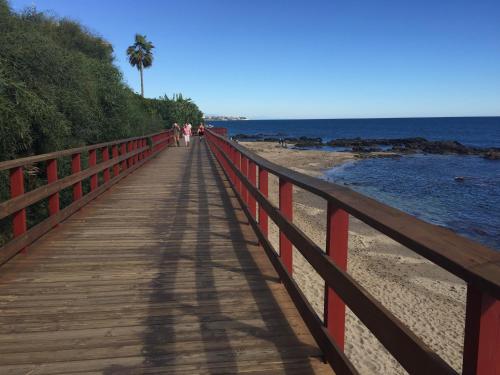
(224, 118)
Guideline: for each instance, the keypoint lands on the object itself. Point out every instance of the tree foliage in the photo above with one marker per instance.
(140, 55)
(59, 89)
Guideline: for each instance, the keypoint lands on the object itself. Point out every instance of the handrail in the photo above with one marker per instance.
(126, 156)
(9, 164)
(474, 263)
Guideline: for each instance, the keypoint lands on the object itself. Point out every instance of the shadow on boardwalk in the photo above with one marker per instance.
(211, 309)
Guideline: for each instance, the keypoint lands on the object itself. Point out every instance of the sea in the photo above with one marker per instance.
(422, 185)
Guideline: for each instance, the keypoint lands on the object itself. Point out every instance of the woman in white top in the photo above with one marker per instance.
(187, 134)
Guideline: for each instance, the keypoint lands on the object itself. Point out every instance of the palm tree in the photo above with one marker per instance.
(140, 55)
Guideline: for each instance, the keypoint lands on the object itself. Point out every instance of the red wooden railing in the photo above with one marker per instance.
(477, 265)
(220, 131)
(126, 156)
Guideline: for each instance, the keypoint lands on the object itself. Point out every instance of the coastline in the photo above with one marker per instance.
(428, 299)
(311, 162)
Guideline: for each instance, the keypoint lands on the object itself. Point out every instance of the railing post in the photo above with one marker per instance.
(123, 152)
(116, 167)
(105, 158)
(229, 152)
(244, 171)
(337, 236)
(252, 204)
(17, 189)
(76, 167)
(482, 334)
(153, 146)
(286, 208)
(237, 162)
(52, 177)
(136, 156)
(92, 163)
(129, 149)
(263, 187)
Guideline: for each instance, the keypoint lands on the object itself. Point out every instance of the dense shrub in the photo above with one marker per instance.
(59, 88)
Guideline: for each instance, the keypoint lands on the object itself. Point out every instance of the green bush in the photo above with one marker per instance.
(59, 89)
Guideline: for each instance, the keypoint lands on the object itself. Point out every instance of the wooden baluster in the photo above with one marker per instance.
(286, 208)
(105, 158)
(76, 167)
(17, 189)
(237, 162)
(225, 148)
(228, 151)
(229, 169)
(116, 167)
(123, 152)
(337, 235)
(263, 187)
(92, 163)
(244, 171)
(482, 334)
(129, 159)
(252, 204)
(52, 177)
(136, 156)
(233, 159)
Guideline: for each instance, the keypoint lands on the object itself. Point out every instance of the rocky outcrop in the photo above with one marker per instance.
(308, 142)
(493, 154)
(382, 145)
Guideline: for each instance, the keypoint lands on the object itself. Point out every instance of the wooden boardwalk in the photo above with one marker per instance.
(161, 274)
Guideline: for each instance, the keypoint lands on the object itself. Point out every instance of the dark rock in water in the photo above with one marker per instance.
(247, 136)
(307, 142)
(365, 149)
(493, 154)
(408, 145)
(479, 231)
(445, 147)
(460, 179)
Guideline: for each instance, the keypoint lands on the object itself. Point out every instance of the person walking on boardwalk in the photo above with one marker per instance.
(201, 131)
(187, 134)
(177, 134)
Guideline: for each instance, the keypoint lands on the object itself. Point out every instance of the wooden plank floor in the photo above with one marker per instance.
(161, 274)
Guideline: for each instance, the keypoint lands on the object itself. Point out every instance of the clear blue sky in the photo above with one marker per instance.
(309, 59)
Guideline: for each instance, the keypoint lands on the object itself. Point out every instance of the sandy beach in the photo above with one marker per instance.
(428, 299)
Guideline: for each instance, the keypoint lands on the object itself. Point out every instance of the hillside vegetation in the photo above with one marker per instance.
(59, 89)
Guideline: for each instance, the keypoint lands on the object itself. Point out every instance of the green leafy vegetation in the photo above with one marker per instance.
(59, 89)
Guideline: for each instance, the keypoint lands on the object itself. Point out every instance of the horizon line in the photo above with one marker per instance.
(351, 118)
